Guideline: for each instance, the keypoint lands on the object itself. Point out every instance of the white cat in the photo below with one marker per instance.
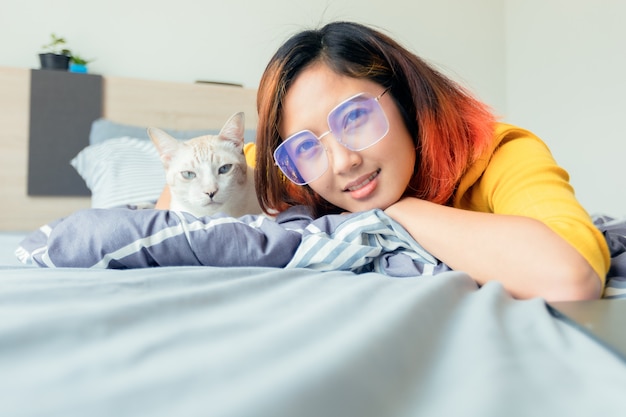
(209, 174)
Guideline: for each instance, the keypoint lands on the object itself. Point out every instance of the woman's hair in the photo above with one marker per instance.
(449, 127)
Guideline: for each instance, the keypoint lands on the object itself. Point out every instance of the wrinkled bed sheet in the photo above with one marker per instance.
(251, 341)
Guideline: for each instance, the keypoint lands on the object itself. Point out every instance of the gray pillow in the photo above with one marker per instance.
(103, 129)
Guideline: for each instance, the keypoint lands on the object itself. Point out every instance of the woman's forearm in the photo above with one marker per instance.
(525, 255)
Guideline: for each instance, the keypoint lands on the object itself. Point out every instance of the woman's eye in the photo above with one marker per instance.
(188, 175)
(306, 148)
(224, 169)
(355, 118)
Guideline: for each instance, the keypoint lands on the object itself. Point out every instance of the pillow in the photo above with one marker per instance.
(104, 129)
(124, 171)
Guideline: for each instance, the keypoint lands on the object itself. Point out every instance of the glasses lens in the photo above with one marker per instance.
(301, 157)
(359, 122)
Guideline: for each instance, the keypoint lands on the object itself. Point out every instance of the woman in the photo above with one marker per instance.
(349, 120)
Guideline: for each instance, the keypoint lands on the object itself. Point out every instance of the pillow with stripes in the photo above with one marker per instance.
(120, 172)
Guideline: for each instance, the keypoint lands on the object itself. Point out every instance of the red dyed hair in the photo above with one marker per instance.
(450, 128)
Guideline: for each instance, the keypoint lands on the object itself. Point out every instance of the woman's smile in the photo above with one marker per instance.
(363, 186)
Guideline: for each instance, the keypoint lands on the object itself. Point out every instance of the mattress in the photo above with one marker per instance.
(267, 341)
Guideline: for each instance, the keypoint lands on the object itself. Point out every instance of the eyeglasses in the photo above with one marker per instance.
(357, 123)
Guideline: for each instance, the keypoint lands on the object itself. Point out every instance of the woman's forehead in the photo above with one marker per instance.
(314, 93)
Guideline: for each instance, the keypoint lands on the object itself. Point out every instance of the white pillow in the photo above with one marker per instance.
(121, 171)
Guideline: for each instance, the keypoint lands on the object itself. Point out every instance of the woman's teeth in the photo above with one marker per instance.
(364, 183)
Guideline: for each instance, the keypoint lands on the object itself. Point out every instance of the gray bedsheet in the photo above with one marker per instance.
(252, 341)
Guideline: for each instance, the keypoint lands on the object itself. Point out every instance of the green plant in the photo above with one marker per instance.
(56, 46)
(77, 59)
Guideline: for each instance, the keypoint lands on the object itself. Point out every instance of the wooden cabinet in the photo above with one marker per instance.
(19, 211)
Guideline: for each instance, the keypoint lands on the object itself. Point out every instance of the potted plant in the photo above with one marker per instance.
(78, 63)
(55, 55)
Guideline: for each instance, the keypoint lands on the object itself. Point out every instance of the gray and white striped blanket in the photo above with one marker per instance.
(359, 242)
(125, 238)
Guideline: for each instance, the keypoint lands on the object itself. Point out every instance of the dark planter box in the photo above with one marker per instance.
(54, 61)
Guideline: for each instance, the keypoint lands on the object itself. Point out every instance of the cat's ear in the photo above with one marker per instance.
(165, 144)
(233, 129)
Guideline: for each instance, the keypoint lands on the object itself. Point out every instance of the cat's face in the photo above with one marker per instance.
(206, 172)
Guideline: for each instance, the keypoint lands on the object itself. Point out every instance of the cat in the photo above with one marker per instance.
(209, 174)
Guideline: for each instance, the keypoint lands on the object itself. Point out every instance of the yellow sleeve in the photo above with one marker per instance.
(249, 150)
(522, 178)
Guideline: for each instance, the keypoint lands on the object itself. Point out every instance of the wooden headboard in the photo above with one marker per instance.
(180, 106)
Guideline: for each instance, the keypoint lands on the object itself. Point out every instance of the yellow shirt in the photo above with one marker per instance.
(249, 150)
(519, 176)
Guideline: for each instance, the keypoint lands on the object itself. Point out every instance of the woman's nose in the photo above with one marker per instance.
(340, 159)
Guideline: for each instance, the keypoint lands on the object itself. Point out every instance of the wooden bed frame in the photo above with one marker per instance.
(171, 105)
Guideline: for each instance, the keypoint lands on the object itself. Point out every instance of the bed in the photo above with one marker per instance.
(263, 330)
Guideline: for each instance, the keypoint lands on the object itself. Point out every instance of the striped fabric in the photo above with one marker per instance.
(360, 242)
(124, 238)
(121, 172)
(614, 230)
(369, 241)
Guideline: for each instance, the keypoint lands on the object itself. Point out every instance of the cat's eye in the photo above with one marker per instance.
(188, 175)
(224, 168)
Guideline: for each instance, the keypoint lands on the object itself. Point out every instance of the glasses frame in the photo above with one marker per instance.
(338, 139)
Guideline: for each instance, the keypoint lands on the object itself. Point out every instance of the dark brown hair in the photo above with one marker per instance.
(449, 127)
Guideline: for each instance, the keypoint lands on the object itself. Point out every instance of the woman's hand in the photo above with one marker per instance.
(522, 253)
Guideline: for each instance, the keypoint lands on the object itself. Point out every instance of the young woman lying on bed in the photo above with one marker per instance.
(349, 120)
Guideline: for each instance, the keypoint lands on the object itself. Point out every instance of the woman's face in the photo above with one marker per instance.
(375, 177)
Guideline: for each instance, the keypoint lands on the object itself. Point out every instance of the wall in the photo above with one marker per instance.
(566, 66)
(552, 66)
(232, 41)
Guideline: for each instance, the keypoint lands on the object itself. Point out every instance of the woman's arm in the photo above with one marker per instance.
(522, 253)
(515, 219)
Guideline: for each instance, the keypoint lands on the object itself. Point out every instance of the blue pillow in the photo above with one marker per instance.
(103, 129)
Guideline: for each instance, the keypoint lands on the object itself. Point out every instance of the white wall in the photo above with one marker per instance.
(566, 81)
(552, 66)
(188, 40)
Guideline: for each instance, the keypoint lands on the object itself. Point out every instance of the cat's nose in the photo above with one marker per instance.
(211, 194)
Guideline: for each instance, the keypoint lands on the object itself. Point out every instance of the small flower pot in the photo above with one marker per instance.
(82, 68)
(54, 61)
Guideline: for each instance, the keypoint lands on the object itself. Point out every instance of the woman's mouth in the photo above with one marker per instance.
(363, 186)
